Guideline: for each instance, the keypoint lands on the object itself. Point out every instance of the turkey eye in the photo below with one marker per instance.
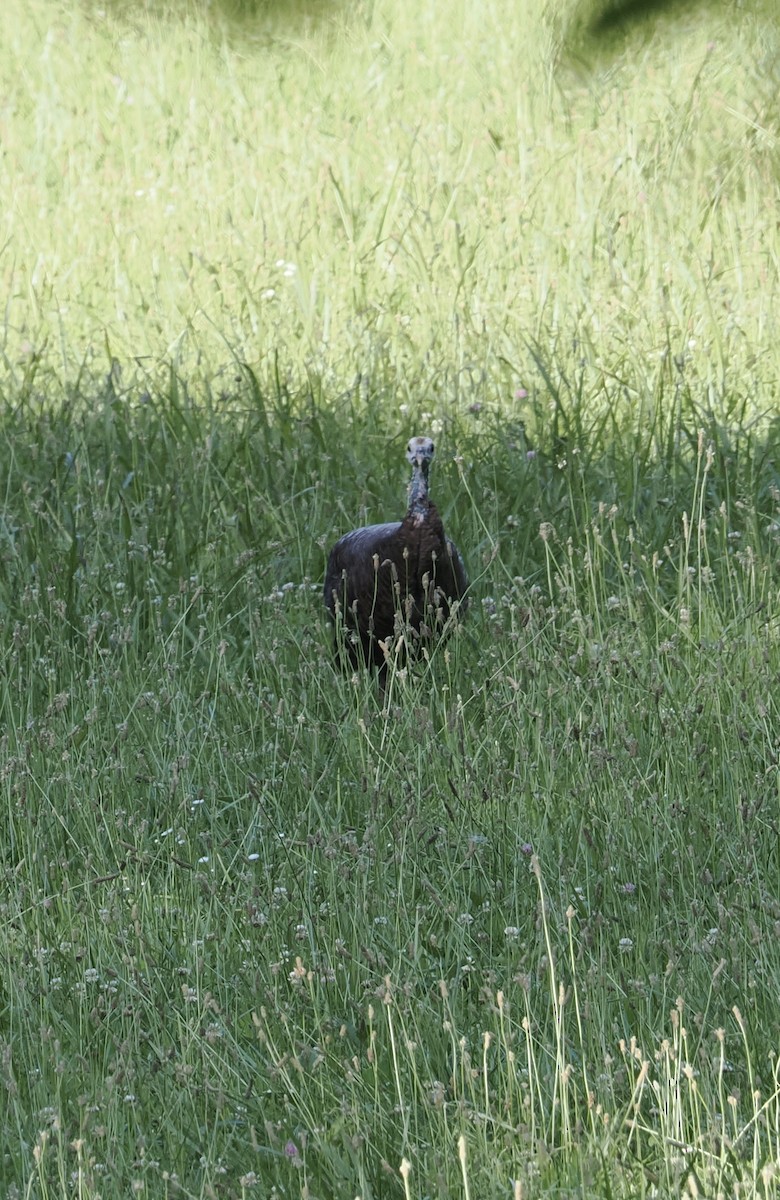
(432, 447)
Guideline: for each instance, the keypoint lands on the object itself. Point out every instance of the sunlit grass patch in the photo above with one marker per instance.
(375, 191)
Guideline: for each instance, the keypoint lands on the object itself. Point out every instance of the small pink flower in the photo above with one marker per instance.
(290, 1149)
(520, 394)
(530, 455)
(526, 848)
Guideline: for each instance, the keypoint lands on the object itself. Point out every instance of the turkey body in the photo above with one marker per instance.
(396, 580)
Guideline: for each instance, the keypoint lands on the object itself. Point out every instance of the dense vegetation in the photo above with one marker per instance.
(512, 931)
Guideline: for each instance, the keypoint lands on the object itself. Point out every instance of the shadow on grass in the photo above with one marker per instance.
(247, 16)
(600, 27)
(563, 457)
(625, 15)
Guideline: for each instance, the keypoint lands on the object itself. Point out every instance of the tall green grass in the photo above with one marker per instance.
(510, 930)
(515, 926)
(365, 189)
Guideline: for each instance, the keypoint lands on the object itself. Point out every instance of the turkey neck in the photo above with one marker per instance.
(419, 504)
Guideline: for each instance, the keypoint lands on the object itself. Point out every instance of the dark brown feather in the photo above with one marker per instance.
(384, 582)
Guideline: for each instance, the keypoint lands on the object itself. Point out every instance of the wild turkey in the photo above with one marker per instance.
(399, 580)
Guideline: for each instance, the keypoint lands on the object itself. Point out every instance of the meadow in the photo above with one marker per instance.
(513, 929)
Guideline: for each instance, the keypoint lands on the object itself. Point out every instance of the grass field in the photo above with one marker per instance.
(514, 931)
